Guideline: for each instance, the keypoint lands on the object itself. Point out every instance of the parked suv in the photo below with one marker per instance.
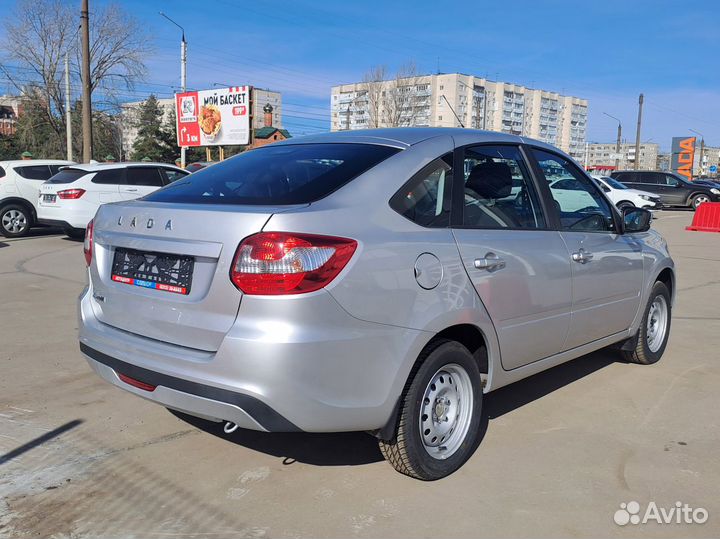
(19, 187)
(378, 280)
(70, 198)
(673, 190)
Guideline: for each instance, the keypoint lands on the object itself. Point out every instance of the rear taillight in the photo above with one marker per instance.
(71, 193)
(88, 244)
(277, 263)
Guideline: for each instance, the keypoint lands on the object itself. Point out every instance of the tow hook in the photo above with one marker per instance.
(230, 427)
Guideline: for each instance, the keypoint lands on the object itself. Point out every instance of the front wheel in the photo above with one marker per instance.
(625, 204)
(654, 328)
(439, 415)
(15, 220)
(699, 199)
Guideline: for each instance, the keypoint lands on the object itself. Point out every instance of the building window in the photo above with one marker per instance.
(440, 118)
(442, 87)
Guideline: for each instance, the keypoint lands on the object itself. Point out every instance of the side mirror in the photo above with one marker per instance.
(636, 220)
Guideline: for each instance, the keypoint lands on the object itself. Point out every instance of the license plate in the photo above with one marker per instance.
(160, 271)
(49, 198)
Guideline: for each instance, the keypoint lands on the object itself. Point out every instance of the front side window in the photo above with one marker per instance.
(34, 172)
(498, 192)
(173, 175)
(425, 199)
(580, 205)
(667, 179)
(276, 175)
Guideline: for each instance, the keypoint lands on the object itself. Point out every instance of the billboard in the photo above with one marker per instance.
(218, 117)
(683, 155)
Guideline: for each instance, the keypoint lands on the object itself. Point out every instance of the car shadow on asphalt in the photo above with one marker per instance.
(357, 448)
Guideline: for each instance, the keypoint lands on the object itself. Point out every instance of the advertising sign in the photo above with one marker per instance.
(683, 155)
(218, 117)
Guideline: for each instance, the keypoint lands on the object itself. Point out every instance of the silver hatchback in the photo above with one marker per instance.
(377, 281)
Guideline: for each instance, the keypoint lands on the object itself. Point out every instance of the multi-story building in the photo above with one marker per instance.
(261, 98)
(602, 157)
(710, 158)
(454, 100)
(10, 109)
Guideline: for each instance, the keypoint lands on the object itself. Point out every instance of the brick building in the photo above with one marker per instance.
(11, 109)
(268, 134)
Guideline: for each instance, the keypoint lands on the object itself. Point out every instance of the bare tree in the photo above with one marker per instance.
(39, 33)
(400, 108)
(371, 94)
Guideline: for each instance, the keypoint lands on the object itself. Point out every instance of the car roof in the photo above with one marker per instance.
(28, 162)
(403, 137)
(96, 167)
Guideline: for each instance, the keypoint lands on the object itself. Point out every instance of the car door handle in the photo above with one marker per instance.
(489, 262)
(130, 190)
(582, 256)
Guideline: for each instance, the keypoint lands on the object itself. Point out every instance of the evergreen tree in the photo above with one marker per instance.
(154, 141)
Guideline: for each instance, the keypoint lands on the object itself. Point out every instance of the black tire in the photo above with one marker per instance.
(74, 233)
(15, 220)
(407, 452)
(696, 200)
(624, 204)
(643, 354)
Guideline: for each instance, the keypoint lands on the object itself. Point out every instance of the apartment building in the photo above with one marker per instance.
(710, 158)
(261, 98)
(602, 157)
(454, 100)
(11, 108)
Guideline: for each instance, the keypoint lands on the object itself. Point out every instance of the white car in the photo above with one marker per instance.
(71, 197)
(624, 197)
(19, 187)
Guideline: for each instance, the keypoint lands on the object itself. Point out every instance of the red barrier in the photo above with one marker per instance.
(707, 218)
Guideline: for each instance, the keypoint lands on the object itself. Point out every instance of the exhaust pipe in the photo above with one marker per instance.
(230, 427)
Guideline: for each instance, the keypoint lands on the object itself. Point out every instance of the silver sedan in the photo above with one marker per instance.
(378, 281)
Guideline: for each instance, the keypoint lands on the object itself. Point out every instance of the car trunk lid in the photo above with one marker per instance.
(162, 270)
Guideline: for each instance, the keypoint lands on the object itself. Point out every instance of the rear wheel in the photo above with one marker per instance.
(439, 415)
(699, 199)
(654, 329)
(15, 220)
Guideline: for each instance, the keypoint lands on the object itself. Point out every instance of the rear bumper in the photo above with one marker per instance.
(72, 217)
(55, 222)
(325, 372)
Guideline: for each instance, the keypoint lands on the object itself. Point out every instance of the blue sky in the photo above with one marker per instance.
(605, 51)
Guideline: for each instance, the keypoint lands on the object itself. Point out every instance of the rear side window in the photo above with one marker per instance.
(626, 177)
(67, 175)
(113, 176)
(2, 172)
(148, 176)
(34, 172)
(425, 199)
(293, 174)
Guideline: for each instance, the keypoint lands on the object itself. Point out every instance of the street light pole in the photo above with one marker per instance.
(702, 150)
(619, 139)
(637, 136)
(183, 74)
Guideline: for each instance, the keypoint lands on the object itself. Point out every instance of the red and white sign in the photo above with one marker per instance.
(213, 117)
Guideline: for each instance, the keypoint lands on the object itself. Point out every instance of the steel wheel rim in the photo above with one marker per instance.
(446, 411)
(657, 323)
(701, 200)
(14, 221)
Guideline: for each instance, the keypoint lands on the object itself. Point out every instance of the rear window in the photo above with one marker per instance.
(67, 175)
(293, 174)
(34, 172)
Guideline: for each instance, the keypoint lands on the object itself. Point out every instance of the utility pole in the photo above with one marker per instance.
(86, 103)
(68, 114)
(183, 75)
(347, 119)
(702, 151)
(637, 136)
(619, 140)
